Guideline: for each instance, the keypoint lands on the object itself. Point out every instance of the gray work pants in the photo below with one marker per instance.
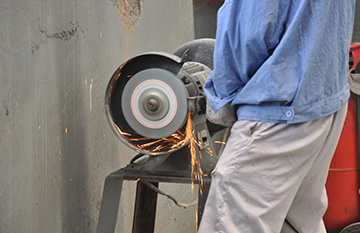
(271, 177)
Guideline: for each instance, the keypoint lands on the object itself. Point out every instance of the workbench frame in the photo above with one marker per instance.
(145, 201)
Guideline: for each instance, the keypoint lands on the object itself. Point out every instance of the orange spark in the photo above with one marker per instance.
(220, 142)
(150, 143)
(137, 181)
(121, 132)
(196, 219)
(196, 171)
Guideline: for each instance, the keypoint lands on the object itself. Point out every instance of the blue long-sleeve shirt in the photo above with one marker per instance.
(282, 61)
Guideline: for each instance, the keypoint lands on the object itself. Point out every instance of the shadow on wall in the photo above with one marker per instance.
(75, 155)
(205, 18)
(356, 34)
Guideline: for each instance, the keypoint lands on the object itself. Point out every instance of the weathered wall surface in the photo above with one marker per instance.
(205, 18)
(56, 147)
(356, 35)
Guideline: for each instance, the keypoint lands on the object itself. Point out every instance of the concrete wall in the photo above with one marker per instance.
(56, 147)
(356, 34)
(205, 18)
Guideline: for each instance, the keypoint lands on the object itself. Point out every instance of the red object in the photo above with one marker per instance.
(354, 54)
(343, 184)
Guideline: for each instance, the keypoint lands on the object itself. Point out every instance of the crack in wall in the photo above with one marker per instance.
(89, 47)
(64, 35)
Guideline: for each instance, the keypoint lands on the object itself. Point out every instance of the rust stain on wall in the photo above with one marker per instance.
(131, 11)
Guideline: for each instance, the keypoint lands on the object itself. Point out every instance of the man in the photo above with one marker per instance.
(282, 65)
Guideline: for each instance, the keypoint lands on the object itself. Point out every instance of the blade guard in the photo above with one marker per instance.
(113, 96)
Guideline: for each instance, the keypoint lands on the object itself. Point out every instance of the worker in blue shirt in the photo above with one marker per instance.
(281, 67)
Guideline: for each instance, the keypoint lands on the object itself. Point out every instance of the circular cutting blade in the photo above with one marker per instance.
(154, 103)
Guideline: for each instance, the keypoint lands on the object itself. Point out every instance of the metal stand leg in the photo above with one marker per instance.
(145, 202)
(110, 204)
(145, 209)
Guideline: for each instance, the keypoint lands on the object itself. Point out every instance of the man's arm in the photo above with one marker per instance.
(247, 34)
